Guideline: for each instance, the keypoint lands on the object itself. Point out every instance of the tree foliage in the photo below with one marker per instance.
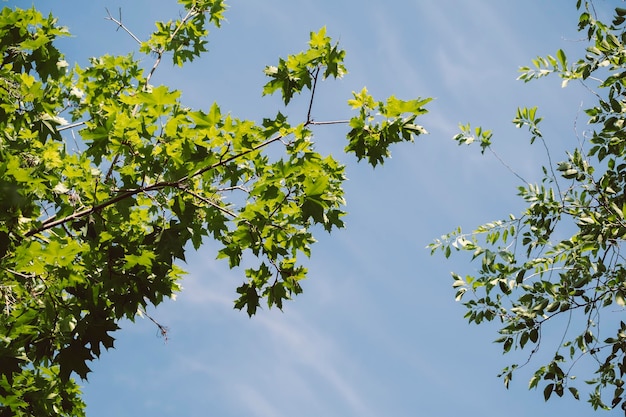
(551, 274)
(106, 180)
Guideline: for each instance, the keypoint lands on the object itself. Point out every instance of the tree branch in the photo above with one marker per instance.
(230, 159)
(211, 203)
(330, 122)
(50, 223)
(192, 12)
(308, 114)
(70, 126)
(163, 330)
(494, 153)
(121, 25)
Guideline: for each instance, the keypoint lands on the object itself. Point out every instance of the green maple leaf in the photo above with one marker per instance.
(74, 358)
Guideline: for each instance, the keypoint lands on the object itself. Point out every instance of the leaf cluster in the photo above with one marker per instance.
(97, 211)
(299, 71)
(371, 137)
(560, 265)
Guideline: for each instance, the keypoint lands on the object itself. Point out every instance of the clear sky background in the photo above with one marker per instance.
(377, 331)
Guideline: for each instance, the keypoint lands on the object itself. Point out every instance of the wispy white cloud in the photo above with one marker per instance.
(284, 365)
(473, 44)
(255, 403)
(316, 351)
(398, 51)
(279, 363)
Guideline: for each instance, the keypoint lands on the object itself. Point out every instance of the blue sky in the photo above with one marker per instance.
(377, 331)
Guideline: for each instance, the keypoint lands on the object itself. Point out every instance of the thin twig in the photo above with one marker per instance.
(163, 330)
(556, 180)
(507, 166)
(70, 126)
(211, 203)
(330, 122)
(120, 25)
(308, 114)
(19, 274)
(233, 188)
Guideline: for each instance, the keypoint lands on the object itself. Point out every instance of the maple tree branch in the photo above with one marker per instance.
(230, 159)
(51, 222)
